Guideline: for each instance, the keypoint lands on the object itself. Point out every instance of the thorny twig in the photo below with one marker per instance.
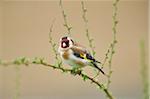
(53, 45)
(111, 49)
(40, 61)
(68, 27)
(90, 40)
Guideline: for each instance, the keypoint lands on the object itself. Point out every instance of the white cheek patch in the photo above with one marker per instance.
(70, 43)
(64, 44)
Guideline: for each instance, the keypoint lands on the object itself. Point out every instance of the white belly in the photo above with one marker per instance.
(74, 61)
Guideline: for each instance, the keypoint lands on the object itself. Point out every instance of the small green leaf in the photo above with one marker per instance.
(19, 61)
(111, 72)
(116, 22)
(115, 41)
(37, 60)
(54, 45)
(85, 77)
(69, 28)
(94, 53)
(91, 40)
(113, 52)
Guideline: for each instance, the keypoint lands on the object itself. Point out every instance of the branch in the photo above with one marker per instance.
(68, 27)
(40, 61)
(111, 48)
(90, 40)
(53, 45)
(144, 71)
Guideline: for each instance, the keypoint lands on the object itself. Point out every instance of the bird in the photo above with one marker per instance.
(76, 55)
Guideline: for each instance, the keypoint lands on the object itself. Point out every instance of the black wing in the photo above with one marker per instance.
(88, 56)
(78, 55)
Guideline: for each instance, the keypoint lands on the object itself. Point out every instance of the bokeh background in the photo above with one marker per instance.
(24, 28)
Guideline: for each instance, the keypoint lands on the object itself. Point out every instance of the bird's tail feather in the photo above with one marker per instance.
(94, 64)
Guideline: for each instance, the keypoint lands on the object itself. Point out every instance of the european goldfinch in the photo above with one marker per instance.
(76, 55)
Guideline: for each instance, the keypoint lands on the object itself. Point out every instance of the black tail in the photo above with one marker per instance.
(94, 64)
